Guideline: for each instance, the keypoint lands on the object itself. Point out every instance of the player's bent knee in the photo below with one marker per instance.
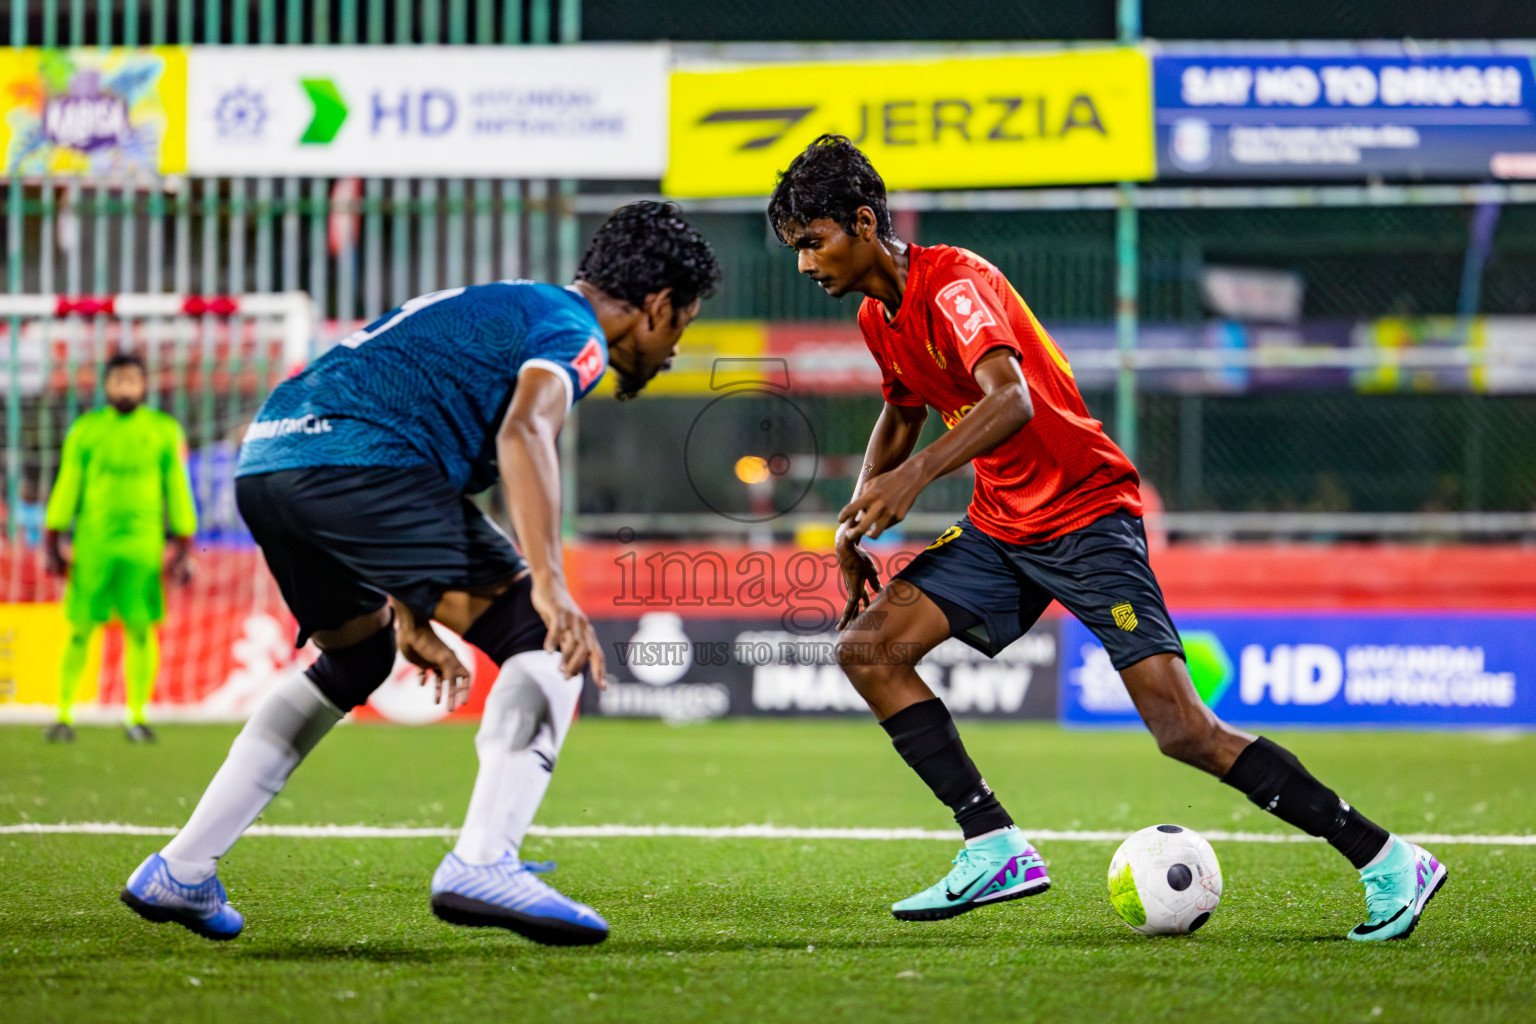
(347, 676)
(509, 626)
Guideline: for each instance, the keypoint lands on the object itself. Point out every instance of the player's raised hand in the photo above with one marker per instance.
(882, 502)
(858, 569)
(570, 632)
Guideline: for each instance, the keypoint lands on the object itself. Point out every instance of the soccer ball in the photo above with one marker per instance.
(1164, 880)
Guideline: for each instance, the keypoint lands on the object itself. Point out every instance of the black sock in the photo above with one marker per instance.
(1272, 778)
(925, 737)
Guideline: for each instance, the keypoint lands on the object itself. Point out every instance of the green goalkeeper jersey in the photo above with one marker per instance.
(123, 480)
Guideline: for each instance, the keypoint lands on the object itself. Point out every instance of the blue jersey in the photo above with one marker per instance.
(428, 383)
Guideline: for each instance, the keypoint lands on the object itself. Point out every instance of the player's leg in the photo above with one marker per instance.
(1399, 877)
(87, 605)
(523, 725)
(1102, 575)
(527, 716)
(141, 604)
(77, 647)
(922, 607)
(180, 883)
(351, 625)
(141, 662)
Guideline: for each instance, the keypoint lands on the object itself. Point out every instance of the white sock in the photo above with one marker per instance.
(522, 728)
(1381, 854)
(285, 727)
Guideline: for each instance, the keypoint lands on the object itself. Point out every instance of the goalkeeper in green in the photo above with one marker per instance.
(122, 482)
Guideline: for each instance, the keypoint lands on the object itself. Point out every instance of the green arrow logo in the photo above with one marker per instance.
(330, 111)
(1210, 669)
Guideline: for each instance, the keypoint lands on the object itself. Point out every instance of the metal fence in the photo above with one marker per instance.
(360, 246)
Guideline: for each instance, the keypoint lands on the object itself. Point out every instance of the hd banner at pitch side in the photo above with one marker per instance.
(1234, 115)
(663, 665)
(590, 111)
(1427, 670)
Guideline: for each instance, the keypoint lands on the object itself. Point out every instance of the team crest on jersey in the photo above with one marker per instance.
(1125, 616)
(589, 363)
(961, 303)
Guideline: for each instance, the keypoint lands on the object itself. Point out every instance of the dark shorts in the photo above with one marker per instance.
(1099, 573)
(339, 538)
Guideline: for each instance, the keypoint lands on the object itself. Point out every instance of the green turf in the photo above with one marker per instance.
(756, 930)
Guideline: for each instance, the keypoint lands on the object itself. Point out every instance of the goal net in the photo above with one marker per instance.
(212, 360)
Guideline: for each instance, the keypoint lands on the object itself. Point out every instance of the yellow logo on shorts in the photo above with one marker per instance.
(945, 537)
(1125, 616)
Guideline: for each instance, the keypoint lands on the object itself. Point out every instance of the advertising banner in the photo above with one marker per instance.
(667, 666)
(954, 122)
(226, 642)
(1439, 670)
(104, 114)
(591, 111)
(1351, 116)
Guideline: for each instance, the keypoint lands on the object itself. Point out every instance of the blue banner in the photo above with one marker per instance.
(1434, 670)
(1242, 116)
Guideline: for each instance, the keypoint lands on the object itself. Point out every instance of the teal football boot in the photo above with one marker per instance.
(991, 869)
(1397, 890)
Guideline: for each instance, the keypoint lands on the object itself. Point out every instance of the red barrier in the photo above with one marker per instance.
(609, 579)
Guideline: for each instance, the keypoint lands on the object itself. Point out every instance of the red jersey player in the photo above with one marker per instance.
(1056, 514)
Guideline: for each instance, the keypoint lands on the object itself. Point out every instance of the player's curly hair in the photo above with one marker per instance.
(831, 179)
(645, 247)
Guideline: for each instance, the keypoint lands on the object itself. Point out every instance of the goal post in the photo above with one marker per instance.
(212, 360)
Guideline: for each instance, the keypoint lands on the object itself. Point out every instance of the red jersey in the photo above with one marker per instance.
(1057, 474)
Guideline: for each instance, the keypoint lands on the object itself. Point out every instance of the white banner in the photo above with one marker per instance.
(589, 111)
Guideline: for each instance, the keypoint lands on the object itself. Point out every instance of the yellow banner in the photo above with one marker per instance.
(103, 114)
(32, 638)
(1059, 118)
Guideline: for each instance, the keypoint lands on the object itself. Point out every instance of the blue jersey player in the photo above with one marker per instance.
(352, 480)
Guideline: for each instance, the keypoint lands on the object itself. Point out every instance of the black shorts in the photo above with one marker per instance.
(1099, 573)
(339, 538)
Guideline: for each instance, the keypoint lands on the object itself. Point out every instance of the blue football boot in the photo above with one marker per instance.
(155, 896)
(508, 894)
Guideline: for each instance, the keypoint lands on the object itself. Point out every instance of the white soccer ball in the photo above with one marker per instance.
(1164, 880)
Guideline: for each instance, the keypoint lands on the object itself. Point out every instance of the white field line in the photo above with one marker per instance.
(96, 828)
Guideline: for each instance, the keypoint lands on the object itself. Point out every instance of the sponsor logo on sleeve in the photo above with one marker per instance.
(961, 303)
(589, 364)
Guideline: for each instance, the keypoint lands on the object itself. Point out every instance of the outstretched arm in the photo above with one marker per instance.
(530, 475)
(884, 500)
